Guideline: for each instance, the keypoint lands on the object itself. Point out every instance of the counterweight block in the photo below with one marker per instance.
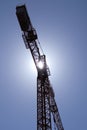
(23, 17)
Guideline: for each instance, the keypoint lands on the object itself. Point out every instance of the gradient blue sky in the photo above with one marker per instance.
(62, 30)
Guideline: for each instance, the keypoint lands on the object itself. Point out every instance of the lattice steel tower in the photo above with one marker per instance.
(46, 104)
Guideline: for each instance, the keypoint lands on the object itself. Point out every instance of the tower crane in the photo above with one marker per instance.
(46, 104)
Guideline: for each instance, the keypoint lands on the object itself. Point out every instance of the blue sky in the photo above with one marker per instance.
(62, 30)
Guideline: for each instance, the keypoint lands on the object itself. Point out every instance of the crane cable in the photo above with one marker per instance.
(54, 126)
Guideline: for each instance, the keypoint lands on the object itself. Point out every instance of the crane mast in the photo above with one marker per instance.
(46, 104)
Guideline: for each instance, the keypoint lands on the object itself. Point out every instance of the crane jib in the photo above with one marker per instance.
(46, 104)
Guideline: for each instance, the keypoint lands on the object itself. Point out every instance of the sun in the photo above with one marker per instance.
(40, 65)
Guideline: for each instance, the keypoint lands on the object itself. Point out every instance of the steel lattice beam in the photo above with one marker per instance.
(46, 103)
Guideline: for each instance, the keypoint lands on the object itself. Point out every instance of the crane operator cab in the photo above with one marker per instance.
(32, 35)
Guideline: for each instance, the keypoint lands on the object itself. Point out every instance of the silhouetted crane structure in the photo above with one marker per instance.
(46, 104)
